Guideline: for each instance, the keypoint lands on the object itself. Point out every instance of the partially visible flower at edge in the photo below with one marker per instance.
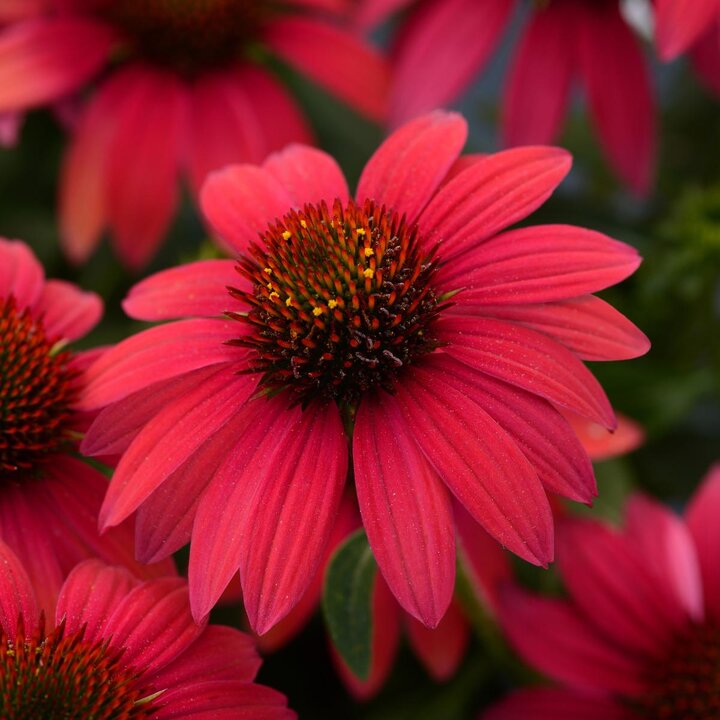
(694, 28)
(405, 322)
(639, 635)
(184, 92)
(49, 498)
(441, 46)
(117, 647)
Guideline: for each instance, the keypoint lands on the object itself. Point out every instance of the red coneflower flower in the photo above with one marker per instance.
(186, 93)
(639, 635)
(49, 499)
(403, 323)
(588, 40)
(119, 648)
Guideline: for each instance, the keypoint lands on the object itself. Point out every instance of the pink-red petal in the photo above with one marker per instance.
(335, 59)
(116, 426)
(406, 511)
(619, 91)
(21, 275)
(587, 325)
(241, 201)
(528, 359)
(216, 547)
(153, 624)
(171, 438)
(90, 596)
(702, 518)
(220, 654)
(27, 526)
(67, 311)
(601, 444)
(441, 47)
(538, 87)
(541, 263)
(441, 649)
(165, 519)
(554, 638)
(197, 289)
(143, 163)
(308, 175)
(610, 582)
(480, 463)
(224, 700)
(705, 56)
(406, 170)
(491, 194)
(73, 494)
(557, 704)
(238, 115)
(43, 59)
(678, 24)
(291, 513)
(540, 432)
(666, 545)
(160, 353)
(17, 599)
(82, 194)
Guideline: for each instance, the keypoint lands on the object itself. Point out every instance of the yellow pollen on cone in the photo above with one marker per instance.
(288, 301)
(286, 235)
(317, 311)
(267, 270)
(369, 252)
(369, 273)
(332, 304)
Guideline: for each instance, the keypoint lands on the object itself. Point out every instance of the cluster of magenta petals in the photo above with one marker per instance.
(194, 670)
(638, 598)
(256, 483)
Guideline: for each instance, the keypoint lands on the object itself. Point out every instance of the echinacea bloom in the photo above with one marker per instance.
(441, 47)
(638, 638)
(49, 499)
(185, 92)
(117, 648)
(692, 27)
(585, 40)
(401, 335)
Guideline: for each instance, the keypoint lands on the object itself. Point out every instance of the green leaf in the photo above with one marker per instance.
(347, 602)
